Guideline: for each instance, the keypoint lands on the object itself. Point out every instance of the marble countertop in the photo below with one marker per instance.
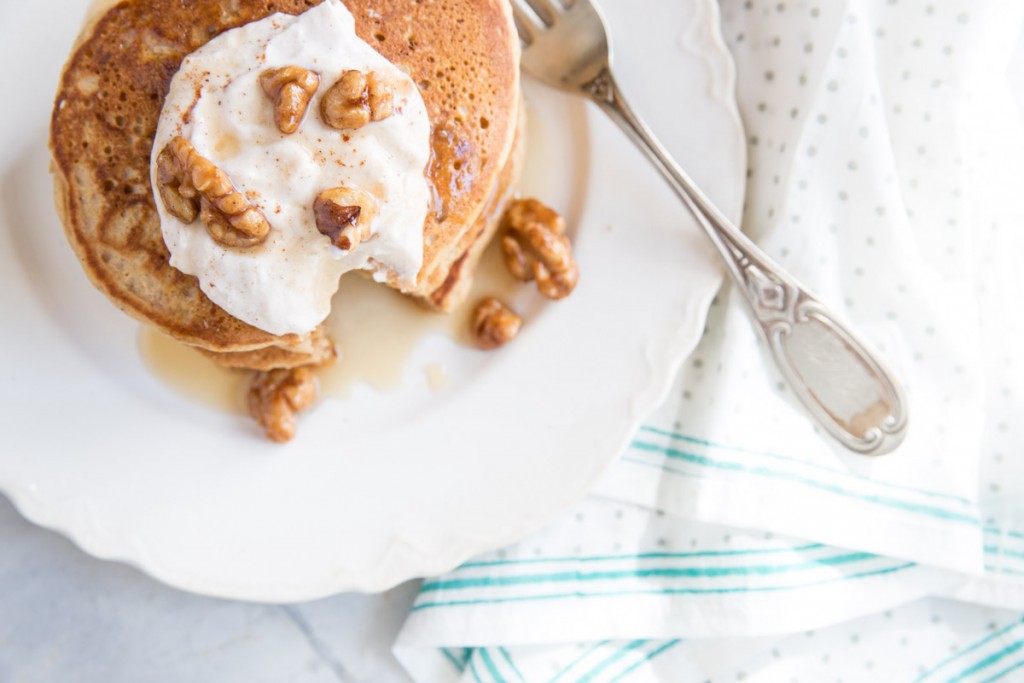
(65, 616)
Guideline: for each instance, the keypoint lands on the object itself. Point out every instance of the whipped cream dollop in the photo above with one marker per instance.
(285, 284)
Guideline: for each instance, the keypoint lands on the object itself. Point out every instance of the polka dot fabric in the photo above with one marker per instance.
(880, 161)
(929, 641)
(886, 158)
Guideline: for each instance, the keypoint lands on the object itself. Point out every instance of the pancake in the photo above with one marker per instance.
(462, 55)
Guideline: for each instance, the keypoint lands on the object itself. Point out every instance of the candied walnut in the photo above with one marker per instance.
(275, 396)
(536, 248)
(175, 187)
(344, 214)
(494, 324)
(356, 99)
(345, 105)
(192, 185)
(290, 87)
(380, 96)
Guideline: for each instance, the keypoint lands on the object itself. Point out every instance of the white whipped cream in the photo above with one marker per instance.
(215, 101)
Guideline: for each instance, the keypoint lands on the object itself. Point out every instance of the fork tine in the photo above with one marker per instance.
(547, 10)
(527, 22)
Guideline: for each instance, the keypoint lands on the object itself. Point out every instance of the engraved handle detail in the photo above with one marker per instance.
(843, 385)
(840, 382)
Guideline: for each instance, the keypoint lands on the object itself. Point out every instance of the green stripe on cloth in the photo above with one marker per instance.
(1004, 673)
(508, 658)
(649, 657)
(705, 461)
(579, 659)
(987, 662)
(489, 663)
(962, 653)
(994, 550)
(663, 591)
(472, 670)
(1004, 532)
(611, 659)
(1003, 570)
(810, 465)
(460, 665)
(641, 556)
(664, 572)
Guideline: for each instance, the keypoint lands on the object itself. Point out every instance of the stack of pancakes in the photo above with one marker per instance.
(462, 54)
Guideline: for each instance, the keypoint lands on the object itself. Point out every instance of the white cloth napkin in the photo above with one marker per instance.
(886, 156)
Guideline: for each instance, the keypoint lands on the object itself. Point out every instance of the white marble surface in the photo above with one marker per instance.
(65, 616)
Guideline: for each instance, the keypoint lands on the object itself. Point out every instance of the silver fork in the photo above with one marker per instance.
(842, 384)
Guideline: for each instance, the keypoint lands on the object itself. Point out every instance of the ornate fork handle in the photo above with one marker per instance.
(840, 382)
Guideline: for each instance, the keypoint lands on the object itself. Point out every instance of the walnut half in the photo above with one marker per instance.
(344, 214)
(290, 87)
(275, 396)
(175, 187)
(536, 248)
(356, 99)
(192, 185)
(494, 324)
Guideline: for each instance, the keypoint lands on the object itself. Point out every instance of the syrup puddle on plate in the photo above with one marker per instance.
(191, 374)
(374, 328)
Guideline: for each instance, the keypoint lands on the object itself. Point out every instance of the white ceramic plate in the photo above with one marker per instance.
(382, 486)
